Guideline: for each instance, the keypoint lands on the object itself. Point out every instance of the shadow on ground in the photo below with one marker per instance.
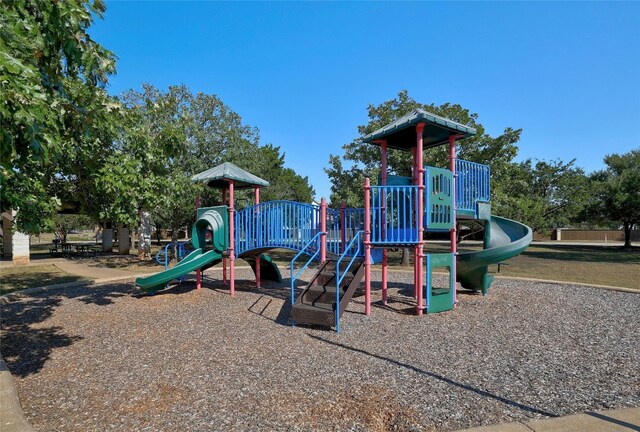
(26, 343)
(15, 282)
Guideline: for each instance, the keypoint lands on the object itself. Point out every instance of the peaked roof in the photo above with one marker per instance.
(401, 134)
(219, 176)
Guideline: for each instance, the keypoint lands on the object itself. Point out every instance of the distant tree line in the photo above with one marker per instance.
(542, 194)
(67, 142)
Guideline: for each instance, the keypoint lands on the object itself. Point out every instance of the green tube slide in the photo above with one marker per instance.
(504, 239)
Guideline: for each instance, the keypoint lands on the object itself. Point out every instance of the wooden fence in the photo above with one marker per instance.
(582, 235)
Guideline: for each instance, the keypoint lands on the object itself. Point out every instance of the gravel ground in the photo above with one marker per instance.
(107, 359)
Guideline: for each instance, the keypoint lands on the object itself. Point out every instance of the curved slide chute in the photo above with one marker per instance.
(504, 239)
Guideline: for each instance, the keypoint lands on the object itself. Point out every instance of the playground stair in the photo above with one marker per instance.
(317, 303)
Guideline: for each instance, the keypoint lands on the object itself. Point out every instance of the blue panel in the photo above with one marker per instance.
(472, 184)
(393, 215)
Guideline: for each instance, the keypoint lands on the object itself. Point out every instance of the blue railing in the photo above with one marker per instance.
(354, 223)
(334, 225)
(355, 240)
(472, 184)
(162, 257)
(393, 214)
(349, 219)
(276, 224)
(306, 250)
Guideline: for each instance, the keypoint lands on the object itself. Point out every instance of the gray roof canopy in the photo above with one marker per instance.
(401, 134)
(219, 176)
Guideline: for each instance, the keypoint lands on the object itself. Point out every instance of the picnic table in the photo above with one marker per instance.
(63, 248)
(67, 249)
(86, 248)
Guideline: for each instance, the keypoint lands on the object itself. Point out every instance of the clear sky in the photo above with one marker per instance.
(304, 73)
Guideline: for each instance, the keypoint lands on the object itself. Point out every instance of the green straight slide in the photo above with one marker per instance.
(194, 261)
(504, 239)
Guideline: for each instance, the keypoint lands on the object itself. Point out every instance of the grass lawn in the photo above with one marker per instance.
(18, 278)
(600, 265)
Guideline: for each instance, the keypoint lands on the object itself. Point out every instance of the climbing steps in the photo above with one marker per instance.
(317, 303)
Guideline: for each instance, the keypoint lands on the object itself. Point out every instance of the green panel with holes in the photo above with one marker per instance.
(438, 199)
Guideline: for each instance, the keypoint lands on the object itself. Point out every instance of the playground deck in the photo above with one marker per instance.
(100, 358)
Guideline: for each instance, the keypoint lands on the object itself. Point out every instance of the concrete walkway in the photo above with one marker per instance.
(622, 420)
(90, 271)
(11, 417)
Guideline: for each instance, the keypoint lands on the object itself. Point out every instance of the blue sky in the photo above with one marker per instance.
(304, 73)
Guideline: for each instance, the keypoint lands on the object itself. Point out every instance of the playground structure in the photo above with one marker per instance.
(399, 212)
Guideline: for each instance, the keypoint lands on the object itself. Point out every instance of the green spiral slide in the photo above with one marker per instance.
(504, 239)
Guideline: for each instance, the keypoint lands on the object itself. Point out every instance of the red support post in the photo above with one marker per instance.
(198, 272)
(383, 203)
(257, 199)
(419, 217)
(232, 241)
(367, 247)
(224, 259)
(323, 228)
(343, 226)
(454, 238)
(414, 180)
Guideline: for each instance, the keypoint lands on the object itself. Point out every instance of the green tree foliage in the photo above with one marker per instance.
(616, 192)
(285, 183)
(146, 154)
(362, 160)
(65, 223)
(543, 195)
(52, 100)
(166, 138)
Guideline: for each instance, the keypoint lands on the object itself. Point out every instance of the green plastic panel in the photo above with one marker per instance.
(438, 199)
(439, 299)
(214, 218)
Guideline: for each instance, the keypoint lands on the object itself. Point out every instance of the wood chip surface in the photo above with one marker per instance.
(109, 359)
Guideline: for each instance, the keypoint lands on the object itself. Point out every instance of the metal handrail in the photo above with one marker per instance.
(339, 279)
(315, 238)
(181, 251)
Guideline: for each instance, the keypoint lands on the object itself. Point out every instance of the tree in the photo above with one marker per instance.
(138, 173)
(166, 138)
(52, 76)
(363, 160)
(617, 192)
(542, 195)
(65, 223)
(285, 183)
